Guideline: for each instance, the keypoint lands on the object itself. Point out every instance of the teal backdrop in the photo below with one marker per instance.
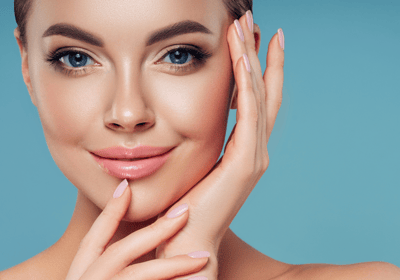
(331, 193)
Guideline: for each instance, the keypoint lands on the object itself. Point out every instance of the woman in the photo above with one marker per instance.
(117, 93)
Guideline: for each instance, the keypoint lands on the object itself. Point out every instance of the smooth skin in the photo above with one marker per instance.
(258, 100)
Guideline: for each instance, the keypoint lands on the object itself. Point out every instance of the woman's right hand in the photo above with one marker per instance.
(94, 261)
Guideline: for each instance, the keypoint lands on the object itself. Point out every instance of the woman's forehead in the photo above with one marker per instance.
(127, 18)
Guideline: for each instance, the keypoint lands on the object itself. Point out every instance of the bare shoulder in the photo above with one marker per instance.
(240, 261)
(38, 267)
(20, 271)
(365, 271)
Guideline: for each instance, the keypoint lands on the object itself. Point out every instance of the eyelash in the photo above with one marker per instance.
(199, 57)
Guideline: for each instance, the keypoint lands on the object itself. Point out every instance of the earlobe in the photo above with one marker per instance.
(24, 65)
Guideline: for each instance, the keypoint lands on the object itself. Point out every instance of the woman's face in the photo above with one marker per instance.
(121, 86)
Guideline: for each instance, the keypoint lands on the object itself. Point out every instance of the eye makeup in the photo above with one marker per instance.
(196, 57)
(57, 60)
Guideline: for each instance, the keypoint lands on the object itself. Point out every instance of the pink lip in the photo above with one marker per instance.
(135, 163)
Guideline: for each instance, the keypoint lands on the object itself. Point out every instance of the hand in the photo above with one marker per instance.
(217, 198)
(93, 261)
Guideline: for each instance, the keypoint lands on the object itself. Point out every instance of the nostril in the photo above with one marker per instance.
(115, 125)
(141, 125)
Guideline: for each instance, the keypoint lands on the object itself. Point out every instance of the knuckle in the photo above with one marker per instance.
(113, 250)
(128, 273)
(250, 44)
(159, 229)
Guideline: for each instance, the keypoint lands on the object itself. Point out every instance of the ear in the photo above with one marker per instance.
(25, 66)
(257, 39)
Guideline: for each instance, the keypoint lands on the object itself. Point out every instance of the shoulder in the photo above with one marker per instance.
(238, 260)
(39, 267)
(16, 272)
(22, 271)
(365, 271)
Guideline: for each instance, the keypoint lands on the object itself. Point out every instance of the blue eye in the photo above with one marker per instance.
(75, 59)
(178, 56)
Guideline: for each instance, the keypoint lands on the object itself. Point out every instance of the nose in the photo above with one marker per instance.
(130, 110)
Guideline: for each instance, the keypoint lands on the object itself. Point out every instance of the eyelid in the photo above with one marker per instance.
(199, 58)
(54, 58)
(188, 48)
(62, 52)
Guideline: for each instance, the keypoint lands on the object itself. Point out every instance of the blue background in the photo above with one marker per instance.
(332, 191)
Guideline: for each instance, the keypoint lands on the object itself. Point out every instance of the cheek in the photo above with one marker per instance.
(195, 106)
(67, 107)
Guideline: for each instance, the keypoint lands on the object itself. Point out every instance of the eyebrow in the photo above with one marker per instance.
(183, 27)
(71, 31)
(74, 32)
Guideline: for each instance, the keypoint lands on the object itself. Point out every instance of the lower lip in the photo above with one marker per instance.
(135, 169)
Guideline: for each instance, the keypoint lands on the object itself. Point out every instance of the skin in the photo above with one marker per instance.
(151, 106)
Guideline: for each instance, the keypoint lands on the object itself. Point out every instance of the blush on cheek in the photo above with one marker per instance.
(196, 105)
(66, 106)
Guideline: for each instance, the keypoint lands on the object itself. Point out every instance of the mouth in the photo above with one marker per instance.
(133, 163)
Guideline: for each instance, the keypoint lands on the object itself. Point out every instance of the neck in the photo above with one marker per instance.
(84, 215)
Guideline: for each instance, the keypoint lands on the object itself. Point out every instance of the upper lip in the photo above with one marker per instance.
(138, 152)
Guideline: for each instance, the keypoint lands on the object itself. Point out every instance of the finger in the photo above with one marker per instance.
(250, 30)
(162, 268)
(273, 78)
(101, 232)
(235, 39)
(258, 86)
(120, 254)
(243, 142)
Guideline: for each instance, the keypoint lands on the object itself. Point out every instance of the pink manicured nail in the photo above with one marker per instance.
(199, 254)
(178, 211)
(249, 17)
(120, 189)
(281, 38)
(247, 62)
(239, 30)
(198, 278)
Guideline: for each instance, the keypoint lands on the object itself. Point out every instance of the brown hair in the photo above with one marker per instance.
(22, 8)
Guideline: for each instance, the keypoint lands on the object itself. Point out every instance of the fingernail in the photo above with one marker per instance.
(120, 189)
(249, 17)
(199, 254)
(178, 211)
(239, 30)
(247, 62)
(281, 38)
(198, 278)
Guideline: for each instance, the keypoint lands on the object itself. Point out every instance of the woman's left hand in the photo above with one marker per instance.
(217, 198)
